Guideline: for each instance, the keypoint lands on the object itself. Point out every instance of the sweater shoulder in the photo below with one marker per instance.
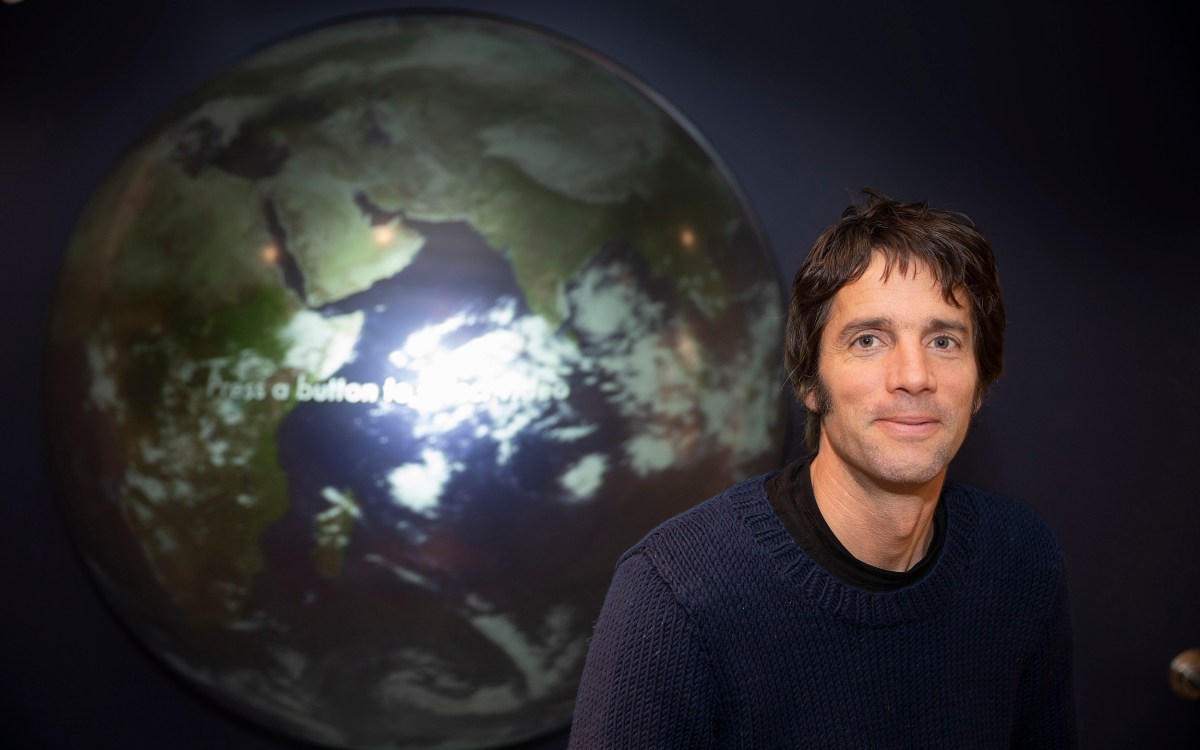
(709, 542)
(1006, 515)
(1010, 537)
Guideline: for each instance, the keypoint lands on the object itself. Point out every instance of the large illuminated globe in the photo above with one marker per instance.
(373, 355)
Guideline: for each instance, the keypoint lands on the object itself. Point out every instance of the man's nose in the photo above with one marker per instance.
(909, 368)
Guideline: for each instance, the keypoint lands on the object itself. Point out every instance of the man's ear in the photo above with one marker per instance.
(810, 400)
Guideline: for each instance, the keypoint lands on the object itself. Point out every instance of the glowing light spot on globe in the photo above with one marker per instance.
(384, 235)
(495, 380)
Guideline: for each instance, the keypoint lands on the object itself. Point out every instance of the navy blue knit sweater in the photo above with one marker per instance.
(720, 632)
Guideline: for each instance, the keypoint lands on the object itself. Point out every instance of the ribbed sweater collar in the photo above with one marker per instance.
(875, 609)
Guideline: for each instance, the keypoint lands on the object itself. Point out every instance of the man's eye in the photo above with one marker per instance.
(865, 341)
(943, 342)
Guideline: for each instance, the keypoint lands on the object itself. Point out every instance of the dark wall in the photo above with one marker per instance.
(1061, 129)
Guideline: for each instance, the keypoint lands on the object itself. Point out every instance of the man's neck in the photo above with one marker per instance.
(886, 527)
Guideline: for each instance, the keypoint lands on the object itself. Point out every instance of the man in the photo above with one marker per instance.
(853, 599)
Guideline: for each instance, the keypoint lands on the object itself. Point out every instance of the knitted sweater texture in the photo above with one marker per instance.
(720, 632)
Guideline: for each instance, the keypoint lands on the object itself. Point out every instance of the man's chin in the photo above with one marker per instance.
(904, 474)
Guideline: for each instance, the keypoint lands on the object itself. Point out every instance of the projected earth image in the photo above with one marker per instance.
(374, 353)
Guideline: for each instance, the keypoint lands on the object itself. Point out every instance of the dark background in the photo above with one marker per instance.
(1064, 130)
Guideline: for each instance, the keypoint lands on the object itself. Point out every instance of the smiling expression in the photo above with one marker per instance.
(898, 378)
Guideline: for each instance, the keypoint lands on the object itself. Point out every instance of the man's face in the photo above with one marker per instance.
(898, 378)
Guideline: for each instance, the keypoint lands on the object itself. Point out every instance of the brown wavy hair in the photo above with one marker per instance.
(945, 242)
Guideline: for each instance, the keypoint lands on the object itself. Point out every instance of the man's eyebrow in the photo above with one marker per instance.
(954, 326)
(863, 324)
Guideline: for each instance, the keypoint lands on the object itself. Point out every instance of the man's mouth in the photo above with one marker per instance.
(910, 419)
(909, 425)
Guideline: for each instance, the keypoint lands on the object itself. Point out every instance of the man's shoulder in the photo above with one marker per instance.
(1006, 527)
(714, 539)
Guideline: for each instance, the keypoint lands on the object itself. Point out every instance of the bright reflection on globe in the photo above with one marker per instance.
(374, 354)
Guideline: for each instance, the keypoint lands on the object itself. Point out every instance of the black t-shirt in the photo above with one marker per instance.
(790, 493)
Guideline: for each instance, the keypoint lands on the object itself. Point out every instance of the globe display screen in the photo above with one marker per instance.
(373, 354)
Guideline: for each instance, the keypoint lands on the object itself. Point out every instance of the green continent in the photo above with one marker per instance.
(183, 303)
(201, 479)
